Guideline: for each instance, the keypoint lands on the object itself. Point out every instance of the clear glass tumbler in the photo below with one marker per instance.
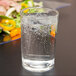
(38, 34)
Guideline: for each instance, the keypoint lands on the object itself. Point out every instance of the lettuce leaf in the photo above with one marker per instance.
(4, 17)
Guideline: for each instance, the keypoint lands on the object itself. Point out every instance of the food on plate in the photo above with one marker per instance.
(7, 24)
(15, 32)
(7, 38)
(10, 27)
(16, 37)
(2, 10)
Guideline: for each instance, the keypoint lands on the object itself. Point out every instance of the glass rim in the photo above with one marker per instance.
(57, 13)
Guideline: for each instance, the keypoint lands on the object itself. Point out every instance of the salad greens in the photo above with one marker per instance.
(4, 17)
(14, 15)
(26, 4)
(12, 20)
(30, 3)
(0, 30)
(17, 20)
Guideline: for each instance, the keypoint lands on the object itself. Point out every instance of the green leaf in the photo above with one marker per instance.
(30, 3)
(4, 17)
(9, 25)
(26, 1)
(17, 20)
(0, 30)
(32, 10)
(36, 10)
(7, 32)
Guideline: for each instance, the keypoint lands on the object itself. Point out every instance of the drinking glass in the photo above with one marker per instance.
(38, 35)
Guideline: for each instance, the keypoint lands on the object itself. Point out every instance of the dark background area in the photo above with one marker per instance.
(10, 53)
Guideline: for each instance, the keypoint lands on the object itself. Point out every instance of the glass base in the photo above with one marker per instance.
(38, 66)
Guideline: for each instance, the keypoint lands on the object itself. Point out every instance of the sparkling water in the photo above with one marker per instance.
(37, 43)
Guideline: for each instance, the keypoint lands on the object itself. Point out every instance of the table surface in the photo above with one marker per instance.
(65, 64)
